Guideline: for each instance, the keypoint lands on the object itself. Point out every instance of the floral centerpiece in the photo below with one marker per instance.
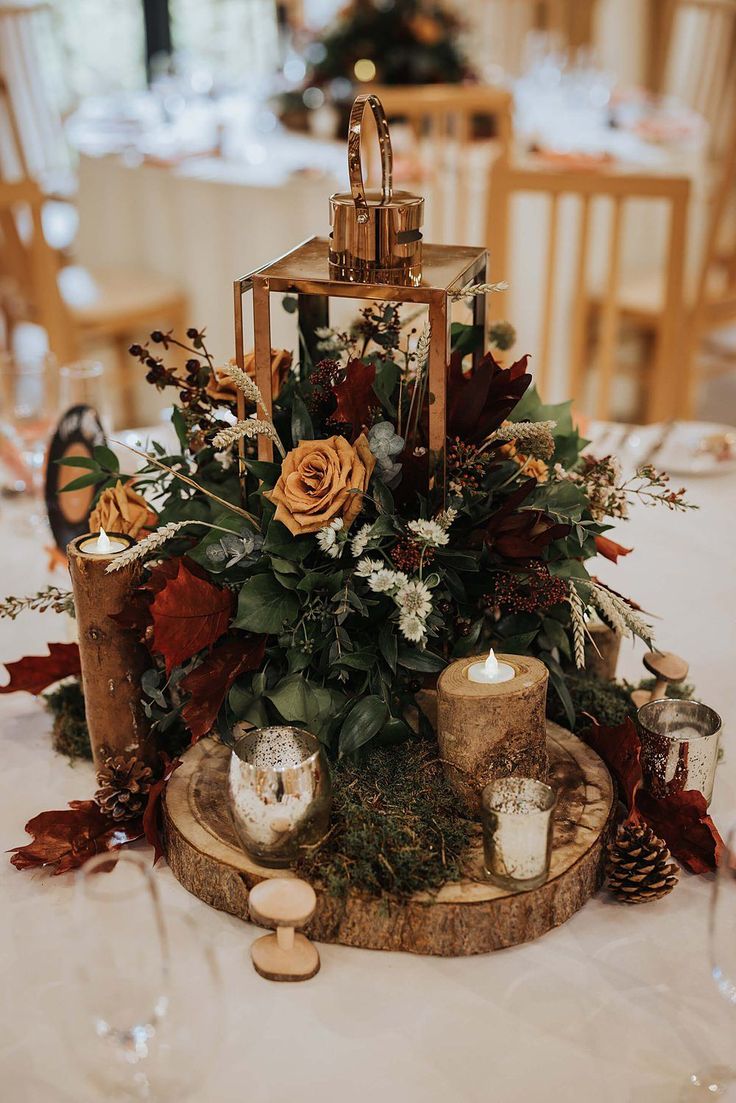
(330, 587)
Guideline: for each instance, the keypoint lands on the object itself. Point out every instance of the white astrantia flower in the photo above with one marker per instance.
(412, 627)
(430, 533)
(384, 580)
(327, 538)
(414, 597)
(360, 541)
(368, 567)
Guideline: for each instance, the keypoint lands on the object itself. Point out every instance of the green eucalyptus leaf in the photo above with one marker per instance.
(106, 458)
(301, 422)
(388, 644)
(425, 662)
(84, 480)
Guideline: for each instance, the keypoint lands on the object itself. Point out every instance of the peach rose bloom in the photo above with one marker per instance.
(121, 509)
(321, 480)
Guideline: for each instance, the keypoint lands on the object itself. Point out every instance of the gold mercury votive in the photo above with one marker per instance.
(517, 814)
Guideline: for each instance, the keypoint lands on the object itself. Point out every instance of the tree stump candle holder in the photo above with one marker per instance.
(284, 903)
(486, 731)
(112, 659)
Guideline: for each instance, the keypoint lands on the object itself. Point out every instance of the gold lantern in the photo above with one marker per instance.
(375, 253)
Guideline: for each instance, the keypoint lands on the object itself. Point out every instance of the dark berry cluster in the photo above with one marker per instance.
(407, 555)
(531, 591)
(465, 465)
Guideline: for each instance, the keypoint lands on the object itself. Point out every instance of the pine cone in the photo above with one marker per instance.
(124, 785)
(639, 867)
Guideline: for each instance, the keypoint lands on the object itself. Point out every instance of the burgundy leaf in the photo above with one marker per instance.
(189, 613)
(151, 828)
(355, 396)
(481, 400)
(682, 820)
(37, 672)
(210, 682)
(66, 838)
(620, 749)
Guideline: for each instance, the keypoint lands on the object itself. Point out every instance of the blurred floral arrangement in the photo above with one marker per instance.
(372, 41)
(327, 589)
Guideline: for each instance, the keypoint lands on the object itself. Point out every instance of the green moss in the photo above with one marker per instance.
(395, 827)
(69, 734)
(608, 702)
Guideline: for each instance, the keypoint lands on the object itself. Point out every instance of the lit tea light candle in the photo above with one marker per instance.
(491, 722)
(491, 671)
(103, 544)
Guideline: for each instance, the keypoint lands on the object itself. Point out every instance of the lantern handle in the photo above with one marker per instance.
(355, 167)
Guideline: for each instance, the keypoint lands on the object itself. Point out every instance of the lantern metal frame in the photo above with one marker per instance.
(447, 270)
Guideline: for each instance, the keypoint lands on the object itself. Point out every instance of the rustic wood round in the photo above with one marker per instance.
(466, 917)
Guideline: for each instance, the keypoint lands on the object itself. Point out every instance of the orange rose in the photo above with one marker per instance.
(222, 389)
(121, 509)
(321, 480)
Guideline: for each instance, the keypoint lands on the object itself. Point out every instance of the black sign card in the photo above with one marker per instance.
(78, 433)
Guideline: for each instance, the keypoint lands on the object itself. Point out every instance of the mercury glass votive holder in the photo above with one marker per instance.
(679, 746)
(280, 794)
(517, 815)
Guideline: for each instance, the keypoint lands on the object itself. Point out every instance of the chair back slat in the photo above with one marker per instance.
(569, 279)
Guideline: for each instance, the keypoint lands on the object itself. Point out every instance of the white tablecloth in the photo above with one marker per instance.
(616, 1005)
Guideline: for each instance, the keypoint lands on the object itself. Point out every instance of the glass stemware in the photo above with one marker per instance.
(83, 383)
(142, 1022)
(715, 1082)
(27, 410)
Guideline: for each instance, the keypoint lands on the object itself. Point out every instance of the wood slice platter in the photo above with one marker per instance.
(463, 917)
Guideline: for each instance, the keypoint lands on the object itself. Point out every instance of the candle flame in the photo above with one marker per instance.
(102, 547)
(491, 666)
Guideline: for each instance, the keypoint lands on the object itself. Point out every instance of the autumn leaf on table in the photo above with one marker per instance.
(188, 613)
(477, 403)
(355, 395)
(66, 838)
(36, 673)
(682, 820)
(150, 816)
(210, 682)
(620, 749)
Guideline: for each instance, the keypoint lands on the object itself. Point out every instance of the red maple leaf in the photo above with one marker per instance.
(151, 827)
(35, 673)
(480, 401)
(355, 395)
(210, 682)
(189, 613)
(66, 838)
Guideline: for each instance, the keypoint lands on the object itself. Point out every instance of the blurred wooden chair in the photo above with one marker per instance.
(499, 29)
(119, 305)
(590, 190)
(456, 132)
(694, 60)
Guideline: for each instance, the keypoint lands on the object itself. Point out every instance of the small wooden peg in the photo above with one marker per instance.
(284, 903)
(666, 668)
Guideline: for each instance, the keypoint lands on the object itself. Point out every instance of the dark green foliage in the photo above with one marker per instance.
(607, 702)
(69, 734)
(395, 827)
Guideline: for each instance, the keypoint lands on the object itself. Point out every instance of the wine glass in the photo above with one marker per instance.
(83, 383)
(27, 407)
(716, 1081)
(143, 1022)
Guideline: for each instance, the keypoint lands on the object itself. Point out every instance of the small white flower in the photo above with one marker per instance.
(327, 538)
(383, 580)
(368, 567)
(412, 627)
(414, 598)
(430, 533)
(360, 541)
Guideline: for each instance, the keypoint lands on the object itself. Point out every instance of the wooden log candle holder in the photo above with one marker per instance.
(112, 659)
(495, 730)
